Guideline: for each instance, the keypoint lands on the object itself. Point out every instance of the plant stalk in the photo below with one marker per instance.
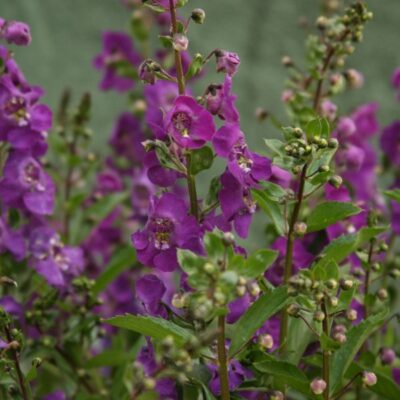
(325, 353)
(222, 360)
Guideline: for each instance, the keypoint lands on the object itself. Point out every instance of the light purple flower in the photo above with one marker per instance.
(365, 120)
(150, 291)
(15, 32)
(12, 241)
(51, 259)
(26, 185)
(157, 174)
(220, 101)
(117, 50)
(188, 123)
(168, 227)
(227, 62)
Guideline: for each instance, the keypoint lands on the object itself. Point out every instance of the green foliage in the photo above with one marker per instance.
(201, 160)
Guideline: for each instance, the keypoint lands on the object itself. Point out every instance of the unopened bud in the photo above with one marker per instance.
(318, 386)
(322, 22)
(276, 395)
(266, 341)
(209, 268)
(382, 294)
(387, 355)
(346, 284)
(261, 114)
(198, 15)
(369, 378)
(254, 289)
(394, 273)
(333, 301)
(324, 168)
(293, 310)
(351, 314)
(178, 300)
(180, 42)
(300, 228)
(228, 239)
(336, 181)
(331, 284)
(149, 383)
(319, 316)
(333, 143)
(287, 61)
(37, 362)
(376, 267)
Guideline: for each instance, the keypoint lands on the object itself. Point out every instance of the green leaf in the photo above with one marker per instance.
(342, 358)
(154, 8)
(285, 372)
(272, 190)
(257, 263)
(260, 311)
(393, 194)
(123, 259)
(157, 328)
(166, 159)
(318, 127)
(166, 41)
(275, 146)
(109, 358)
(299, 338)
(103, 207)
(272, 209)
(195, 66)
(32, 374)
(328, 213)
(201, 159)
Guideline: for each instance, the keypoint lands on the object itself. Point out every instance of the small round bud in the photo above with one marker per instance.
(288, 149)
(319, 296)
(287, 61)
(254, 289)
(340, 337)
(354, 78)
(242, 281)
(333, 143)
(369, 378)
(167, 343)
(331, 284)
(336, 181)
(297, 168)
(298, 133)
(198, 15)
(261, 114)
(37, 362)
(293, 310)
(333, 301)
(376, 267)
(339, 329)
(346, 284)
(300, 228)
(387, 356)
(324, 168)
(382, 294)
(323, 143)
(241, 290)
(178, 300)
(319, 316)
(394, 273)
(180, 42)
(209, 268)
(228, 239)
(351, 314)
(276, 395)
(322, 22)
(318, 386)
(149, 383)
(220, 298)
(139, 107)
(383, 247)
(266, 341)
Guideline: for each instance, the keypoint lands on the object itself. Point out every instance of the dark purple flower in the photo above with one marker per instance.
(12, 241)
(220, 101)
(157, 174)
(390, 142)
(150, 291)
(15, 32)
(25, 184)
(237, 204)
(280, 176)
(168, 227)
(127, 137)
(188, 123)
(117, 51)
(227, 62)
(51, 259)
(247, 167)
(237, 308)
(142, 191)
(57, 395)
(396, 375)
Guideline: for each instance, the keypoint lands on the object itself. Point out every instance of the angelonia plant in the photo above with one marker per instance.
(133, 274)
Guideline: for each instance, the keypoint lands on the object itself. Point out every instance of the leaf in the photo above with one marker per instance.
(356, 337)
(393, 194)
(195, 66)
(275, 146)
(257, 263)
(109, 358)
(272, 190)
(123, 259)
(166, 41)
(201, 159)
(32, 374)
(299, 338)
(103, 207)
(328, 213)
(157, 328)
(260, 311)
(318, 127)
(272, 209)
(287, 373)
(154, 8)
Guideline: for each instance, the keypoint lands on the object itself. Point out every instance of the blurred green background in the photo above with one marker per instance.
(66, 36)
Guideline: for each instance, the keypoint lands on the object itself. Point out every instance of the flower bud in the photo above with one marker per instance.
(394, 273)
(340, 337)
(261, 114)
(318, 386)
(241, 290)
(180, 42)
(147, 71)
(227, 62)
(382, 294)
(15, 32)
(254, 289)
(376, 267)
(333, 143)
(37, 362)
(333, 301)
(351, 314)
(139, 107)
(300, 228)
(293, 310)
(354, 78)
(346, 284)
(387, 356)
(336, 181)
(228, 239)
(209, 268)
(276, 395)
(322, 22)
(318, 296)
(369, 378)
(266, 341)
(198, 15)
(331, 284)
(324, 168)
(149, 383)
(178, 300)
(319, 316)
(287, 61)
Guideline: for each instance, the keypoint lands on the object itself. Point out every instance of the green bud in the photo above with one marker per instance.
(336, 181)
(382, 294)
(346, 284)
(331, 284)
(198, 15)
(324, 168)
(300, 228)
(319, 316)
(293, 310)
(333, 301)
(333, 143)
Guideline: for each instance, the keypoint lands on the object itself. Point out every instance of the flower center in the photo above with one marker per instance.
(32, 176)
(244, 162)
(182, 123)
(16, 108)
(162, 229)
(250, 204)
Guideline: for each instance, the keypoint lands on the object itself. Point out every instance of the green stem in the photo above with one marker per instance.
(325, 353)
(222, 360)
(289, 255)
(191, 183)
(367, 277)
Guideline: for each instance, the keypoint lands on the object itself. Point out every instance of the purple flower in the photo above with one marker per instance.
(280, 176)
(390, 142)
(247, 167)
(237, 308)
(237, 204)
(15, 32)
(188, 123)
(345, 128)
(168, 227)
(237, 375)
(227, 62)
(142, 190)
(396, 375)
(328, 110)
(127, 137)
(150, 290)
(11, 241)
(157, 174)
(220, 101)
(26, 185)
(57, 395)
(117, 51)
(365, 120)
(51, 259)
